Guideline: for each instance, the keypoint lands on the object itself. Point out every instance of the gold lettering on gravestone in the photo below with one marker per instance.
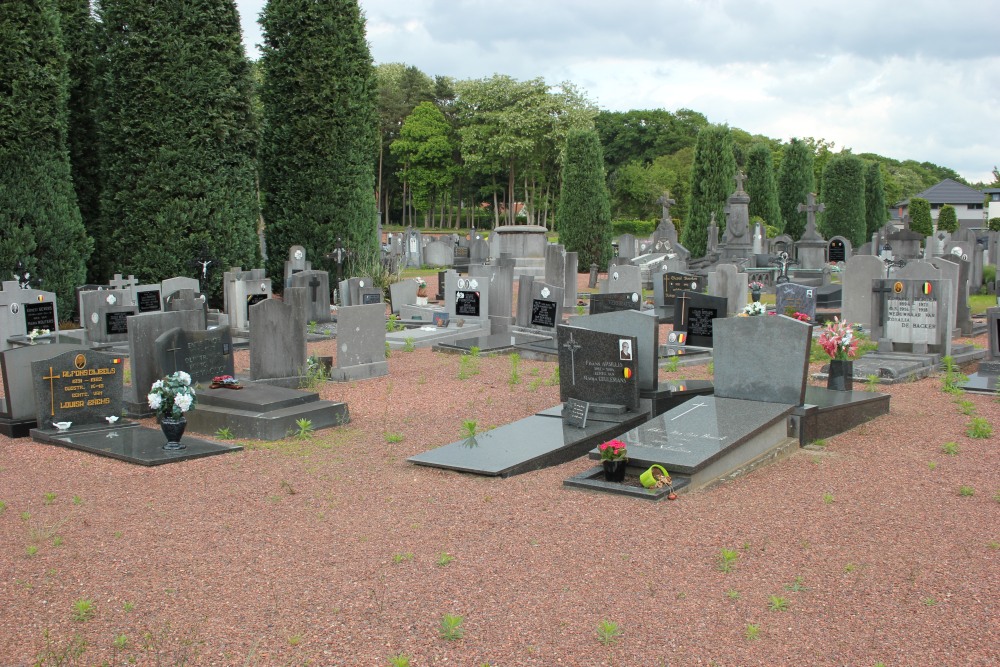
(85, 388)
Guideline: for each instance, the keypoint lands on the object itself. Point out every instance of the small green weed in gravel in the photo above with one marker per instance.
(30, 550)
(83, 610)
(451, 627)
(931, 465)
(777, 603)
(469, 428)
(979, 428)
(444, 558)
(752, 632)
(608, 632)
(828, 498)
(796, 585)
(950, 448)
(966, 491)
(304, 428)
(967, 408)
(871, 383)
(515, 375)
(50, 498)
(402, 557)
(77, 500)
(727, 557)
(733, 594)
(408, 344)
(224, 434)
(393, 437)
(3, 507)
(399, 660)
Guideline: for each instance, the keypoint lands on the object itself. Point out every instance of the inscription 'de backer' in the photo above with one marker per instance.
(911, 321)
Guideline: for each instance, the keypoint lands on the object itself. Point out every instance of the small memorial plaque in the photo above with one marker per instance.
(370, 298)
(116, 323)
(148, 301)
(543, 313)
(467, 304)
(576, 412)
(40, 316)
(838, 252)
(700, 326)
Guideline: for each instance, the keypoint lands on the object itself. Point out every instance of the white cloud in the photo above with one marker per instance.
(918, 80)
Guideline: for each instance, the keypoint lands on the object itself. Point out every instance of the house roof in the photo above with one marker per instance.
(949, 191)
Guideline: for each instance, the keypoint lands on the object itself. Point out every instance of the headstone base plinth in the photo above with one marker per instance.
(359, 372)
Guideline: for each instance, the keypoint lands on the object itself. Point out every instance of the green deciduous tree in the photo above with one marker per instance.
(947, 219)
(583, 218)
(426, 153)
(875, 207)
(178, 139)
(795, 182)
(762, 187)
(40, 221)
(920, 216)
(320, 133)
(711, 183)
(844, 196)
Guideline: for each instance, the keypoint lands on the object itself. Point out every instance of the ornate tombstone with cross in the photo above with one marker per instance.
(317, 284)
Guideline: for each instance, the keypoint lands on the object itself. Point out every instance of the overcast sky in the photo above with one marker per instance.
(909, 80)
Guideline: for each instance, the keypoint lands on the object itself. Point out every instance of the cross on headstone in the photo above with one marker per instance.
(810, 208)
(338, 255)
(123, 283)
(881, 292)
(693, 408)
(174, 350)
(682, 298)
(666, 202)
(314, 284)
(572, 346)
(52, 391)
(739, 178)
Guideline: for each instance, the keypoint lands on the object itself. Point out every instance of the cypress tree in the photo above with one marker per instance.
(875, 208)
(947, 219)
(795, 181)
(584, 214)
(711, 184)
(79, 30)
(761, 186)
(178, 140)
(320, 130)
(920, 216)
(844, 196)
(39, 218)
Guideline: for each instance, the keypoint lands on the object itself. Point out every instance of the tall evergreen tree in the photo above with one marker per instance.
(584, 214)
(79, 30)
(795, 181)
(711, 184)
(320, 129)
(920, 216)
(39, 218)
(762, 187)
(844, 196)
(178, 139)
(947, 219)
(875, 207)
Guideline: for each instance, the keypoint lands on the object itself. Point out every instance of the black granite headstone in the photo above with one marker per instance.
(674, 282)
(612, 303)
(253, 300)
(148, 301)
(81, 386)
(694, 316)
(467, 303)
(543, 313)
(201, 354)
(40, 316)
(838, 252)
(593, 367)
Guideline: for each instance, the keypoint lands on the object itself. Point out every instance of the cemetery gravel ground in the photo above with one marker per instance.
(329, 550)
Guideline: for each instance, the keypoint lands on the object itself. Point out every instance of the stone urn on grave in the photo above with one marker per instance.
(421, 291)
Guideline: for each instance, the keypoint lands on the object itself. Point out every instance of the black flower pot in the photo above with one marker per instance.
(614, 471)
(174, 430)
(840, 377)
(755, 295)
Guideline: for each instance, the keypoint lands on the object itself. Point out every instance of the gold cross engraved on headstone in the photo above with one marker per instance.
(52, 392)
(683, 299)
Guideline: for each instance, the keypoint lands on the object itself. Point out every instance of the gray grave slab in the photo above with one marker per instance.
(827, 412)
(263, 412)
(368, 296)
(467, 298)
(546, 307)
(595, 367)
(402, 293)
(78, 386)
(360, 343)
(914, 315)
(439, 253)
(143, 331)
(709, 437)
(176, 284)
(569, 284)
(296, 263)
(147, 298)
(278, 341)
(524, 299)
(142, 446)
(801, 298)
(726, 281)
(646, 331)
(616, 302)
(22, 310)
(857, 279)
(764, 359)
(186, 299)
(494, 343)
(317, 286)
(201, 354)
(529, 444)
(949, 271)
(106, 315)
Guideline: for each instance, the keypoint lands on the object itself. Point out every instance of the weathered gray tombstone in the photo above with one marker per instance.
(177, 283)
(467, 299)
(317, 286)
(628, 247)
(950, 271)
(360, 343)
(799, 298)
(107, 317)
(439, 253)
(17, 405)
(402, 293)
(555, 265)
(597, 367)
(147, 298)
(811, 248)
(857, 279)
(350, 290)
(125, 285)
(499, 276)
(186, 299)
(295, 263)
(278, 341)
(727, 282)
(524, 296)
(479, 251)
(143, 332)
(569, 284)
(645, 330)
(80, 386)
(204, 355)
(615, 302)
(913, 314)
(839, 249)
(24, 310)
(623, 279)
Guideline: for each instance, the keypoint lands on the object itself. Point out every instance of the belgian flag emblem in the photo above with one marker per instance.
(926, 289)
(628, 373)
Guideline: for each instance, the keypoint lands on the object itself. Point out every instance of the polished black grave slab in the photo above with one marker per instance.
(826, 412)
(529, 444)
(143, 446)
(592, 479)
(982, 383)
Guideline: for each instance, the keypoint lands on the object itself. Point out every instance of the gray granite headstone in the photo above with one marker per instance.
(593, 367)
(439, 253)
(317, 286)
(22, 310)
(546, 307)
(277, 340)
(726, 281)
(105, 315)
(202, 354)
(147, 298)
(623, 279)
(799, 298)
(950, 272)
(913, 314)
(403, 293)
(186, 299)
(466, 298)
(761, 359)
(81, 386)
(645, 330)
(857, 279)
(18, 401)
(569, 285)
(524, 298)
(360, 343)
(555, 265)
(171, 285)
(610, 303)
(143, 332)
(295, 263)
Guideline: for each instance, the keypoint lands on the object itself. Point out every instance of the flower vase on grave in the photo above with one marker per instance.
(755, 295)
(173, 429)
(614, 471)
(840, 377)
(421, 300)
